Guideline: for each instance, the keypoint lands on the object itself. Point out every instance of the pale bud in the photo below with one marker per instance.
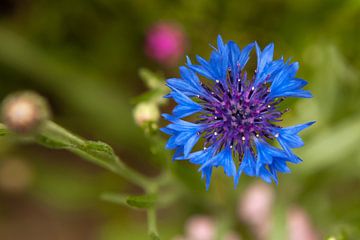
(146, 113)
(24, 112)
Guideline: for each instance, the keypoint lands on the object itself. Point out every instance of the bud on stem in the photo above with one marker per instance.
(24, 112)
(146, 113)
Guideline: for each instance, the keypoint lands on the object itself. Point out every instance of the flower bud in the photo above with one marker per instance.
(165, 43)
(145, 113)
(24, 112)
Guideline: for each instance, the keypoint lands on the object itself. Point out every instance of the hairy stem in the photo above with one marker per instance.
(101, 154)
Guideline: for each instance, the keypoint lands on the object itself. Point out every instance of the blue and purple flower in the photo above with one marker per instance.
(231, 118)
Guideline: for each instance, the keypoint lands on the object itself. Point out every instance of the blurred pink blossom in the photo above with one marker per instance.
(200, 228)
(165, 43)
(232, 236)
(255, 208)
(299, 225)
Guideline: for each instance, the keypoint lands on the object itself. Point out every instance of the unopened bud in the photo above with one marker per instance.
(146, 113)
(24, 112)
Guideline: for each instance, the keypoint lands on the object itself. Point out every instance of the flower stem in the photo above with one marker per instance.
(54, 136)
(152, 225)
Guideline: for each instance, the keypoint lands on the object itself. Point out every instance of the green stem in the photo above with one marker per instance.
(152, 226)
(53, 136)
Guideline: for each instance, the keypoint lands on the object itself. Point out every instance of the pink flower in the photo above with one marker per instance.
(200, 228)
(255, 208)
(299, 225)
(165, 43)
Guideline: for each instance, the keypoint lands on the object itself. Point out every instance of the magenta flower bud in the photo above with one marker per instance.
(165, 43)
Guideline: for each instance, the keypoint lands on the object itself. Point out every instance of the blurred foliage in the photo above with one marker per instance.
(84, 56)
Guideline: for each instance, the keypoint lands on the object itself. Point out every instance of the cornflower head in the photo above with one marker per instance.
(234, 116)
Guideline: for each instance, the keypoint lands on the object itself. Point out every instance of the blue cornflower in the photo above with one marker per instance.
(234, 116)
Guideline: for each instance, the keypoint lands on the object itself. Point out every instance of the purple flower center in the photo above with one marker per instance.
(237, 111)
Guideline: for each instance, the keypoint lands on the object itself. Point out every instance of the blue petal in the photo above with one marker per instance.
(184, 134)
(248, 165)
(200, 157)
(266, 153)
(295, 93)
(188, 60)
(263, 57)
(171, 143)
(288, 137)
(287, 73)
(206, 173)
(221, 45)
(244, 56)
(185, 110)
(167, 131)
(226, 161)
(178, 152)
(179, 125)
(185, 106)
(223, 159)
(190, 77)
(168, 95)
(286, 85)
(183, 137)
(270, 71)
(216, 67)
(238, 58)
(181, 85)
(204, 69)
(234, 55)
(190, 144)
(265, 175)
(279, 164)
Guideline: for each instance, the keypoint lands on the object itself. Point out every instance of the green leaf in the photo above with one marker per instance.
(139, 202)
(115, 198)
(143, 201)
(100, 149)
(152, 80)
(52, 135)
(154, 236)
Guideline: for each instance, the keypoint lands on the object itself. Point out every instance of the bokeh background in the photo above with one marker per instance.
(84, 56)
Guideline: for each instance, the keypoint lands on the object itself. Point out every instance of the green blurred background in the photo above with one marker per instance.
(84, 57)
